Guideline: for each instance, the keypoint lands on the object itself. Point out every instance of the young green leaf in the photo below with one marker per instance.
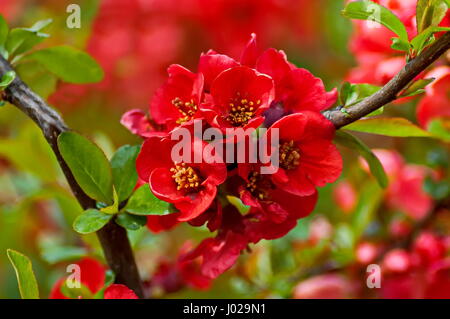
(400, 45)
(237, 202)
(368, 10)
(425, 38)
(69, 64)
(131, 222)
(143, 202)
(393, 126)
(430, 13)
(91, 221)
(7, 79)
(123, 165)
(89, 166)
(28, 286)
(354, 93)
(21, 40)
(416, 87)
(375, 166)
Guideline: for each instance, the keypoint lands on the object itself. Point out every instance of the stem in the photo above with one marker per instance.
(113, 238)
(390, 91)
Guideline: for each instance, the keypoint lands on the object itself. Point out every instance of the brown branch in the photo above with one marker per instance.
(113, 238)
(390, 91)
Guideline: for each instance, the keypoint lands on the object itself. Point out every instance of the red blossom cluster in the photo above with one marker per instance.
(421, 272)
(261, 89)
(377, 62)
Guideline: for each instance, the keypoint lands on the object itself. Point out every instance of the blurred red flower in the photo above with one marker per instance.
(92, 276)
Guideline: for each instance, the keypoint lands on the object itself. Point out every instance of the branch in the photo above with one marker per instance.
(113, 238)
(391, 90)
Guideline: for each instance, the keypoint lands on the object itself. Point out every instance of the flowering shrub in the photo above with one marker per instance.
(249, 170)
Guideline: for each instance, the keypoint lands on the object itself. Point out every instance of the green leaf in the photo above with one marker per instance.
(375, 166)
(354, 93)
(440, 128)
(368, 10)
(143, 202)
(7, 79)
(392, 126)
(4, 30)
(21, 40)
(69, 64)
(123, 165)
(400, 45)
(89, 166)
(28, 286)
(131, 222)
(423, 39)
(416, 87)
(38, 78)
(430, 13)
(368, 204)
(91, 221)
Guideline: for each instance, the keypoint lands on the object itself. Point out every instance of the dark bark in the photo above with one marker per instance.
(113, 238)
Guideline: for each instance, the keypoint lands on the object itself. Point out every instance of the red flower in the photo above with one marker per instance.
(296, 89)
(191, 187)
(239, 96)
(422, 272)
(344, 194)
(173, 276)
(116, 291)
(178, 100)
(436, 103)
(92, 276)
(137, 122)
(307, 156)
(237, 231)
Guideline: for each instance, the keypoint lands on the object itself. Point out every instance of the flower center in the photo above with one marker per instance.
(242, 111)
(289, 155)
(187, 109)
(186, 178)
(259, 186)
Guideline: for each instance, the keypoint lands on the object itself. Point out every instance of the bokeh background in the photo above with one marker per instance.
(134, 41)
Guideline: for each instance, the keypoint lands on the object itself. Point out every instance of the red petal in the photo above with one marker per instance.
(300, 91)
(137, 123)
(212, 64)
(250, 54)
(197, 203)
(117, 291)
(158, 224)
(241, 82)
(182, 84)
(274, 63)
(147, 160)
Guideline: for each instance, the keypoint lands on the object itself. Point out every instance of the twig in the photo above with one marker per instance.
(390, 91)
(113, 238)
